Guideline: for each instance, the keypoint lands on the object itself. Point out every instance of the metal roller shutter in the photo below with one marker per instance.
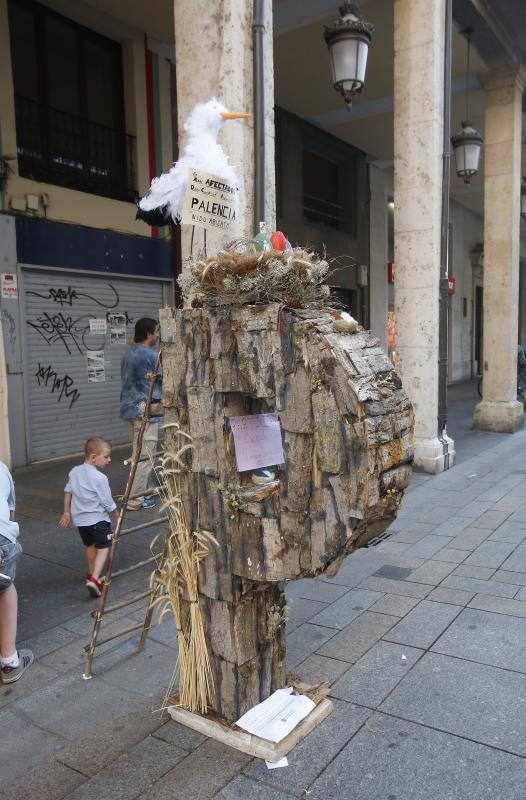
(64, 406)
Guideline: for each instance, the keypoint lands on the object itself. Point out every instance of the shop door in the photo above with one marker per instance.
(76, 329)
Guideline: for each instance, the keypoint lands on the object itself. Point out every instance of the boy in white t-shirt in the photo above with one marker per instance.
(88, 503)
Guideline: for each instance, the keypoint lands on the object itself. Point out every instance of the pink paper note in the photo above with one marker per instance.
(257, 439)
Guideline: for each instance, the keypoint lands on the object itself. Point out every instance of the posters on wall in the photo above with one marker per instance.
(98, 325)
(117, 325)
(96, 366)
(9, 286)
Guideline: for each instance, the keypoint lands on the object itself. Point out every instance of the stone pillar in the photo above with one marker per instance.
(213, 44)
(418, 130)
(379, 181)
(499, 409)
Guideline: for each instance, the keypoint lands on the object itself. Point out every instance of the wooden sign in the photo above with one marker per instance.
(209, 202)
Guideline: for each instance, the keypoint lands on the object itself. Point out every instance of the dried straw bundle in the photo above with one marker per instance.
(177, 578)
(232, 277)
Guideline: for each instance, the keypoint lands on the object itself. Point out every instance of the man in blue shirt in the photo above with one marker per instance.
(137, 365)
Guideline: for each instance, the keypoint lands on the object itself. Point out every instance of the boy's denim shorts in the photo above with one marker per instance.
(9, 552)
(98, 535)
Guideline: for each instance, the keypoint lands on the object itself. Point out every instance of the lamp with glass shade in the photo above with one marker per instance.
(348, 40)
(467, 143)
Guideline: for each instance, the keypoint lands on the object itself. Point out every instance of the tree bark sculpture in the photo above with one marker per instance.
(347, 429)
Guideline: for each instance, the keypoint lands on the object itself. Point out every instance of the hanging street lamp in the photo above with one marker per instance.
(467, 143)
(348, 40)
(523, 198)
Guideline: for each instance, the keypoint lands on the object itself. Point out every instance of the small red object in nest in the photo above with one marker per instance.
(278, 241)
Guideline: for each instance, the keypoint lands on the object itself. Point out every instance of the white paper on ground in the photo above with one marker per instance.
(283, 762)
(277, 716)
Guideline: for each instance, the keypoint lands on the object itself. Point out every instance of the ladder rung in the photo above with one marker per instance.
(149, 493)
(143, 525)
(134, 566)
(116, 635)
(144, 458)
(123, 604)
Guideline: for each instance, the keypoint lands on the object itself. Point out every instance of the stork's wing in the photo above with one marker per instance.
(167, 191)
(157, 216)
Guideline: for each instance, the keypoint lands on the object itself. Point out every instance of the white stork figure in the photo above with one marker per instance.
(202, 152)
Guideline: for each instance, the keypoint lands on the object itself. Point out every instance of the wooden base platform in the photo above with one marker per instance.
(229, 734)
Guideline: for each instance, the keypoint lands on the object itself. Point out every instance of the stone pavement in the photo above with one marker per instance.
(423, 639)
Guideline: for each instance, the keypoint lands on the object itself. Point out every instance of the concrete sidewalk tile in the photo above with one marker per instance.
(432, 572)
(50, 781)
(343, 611)
(393, 546)
(25, 747)
(35, 679)
(491, 519)
(490, 554)
(314, 753)
(450, 555)
(242, 788)
(392, 571)
(302, 610)
(475, 585)
(487, 638)
(304, 641)
(148, 674)
(456, 597)
(295, 588)
(396, 587)
(200, 775)
(466, 571)
(473, 509)
(470, 538)
(423, 624)
(452, 527)
(131, 773)
(72, 707)
(94, 751)
(516, 562)
(429, 545)
(321, 591)
(369, 681)
(464, 698)
(320, 669)
(437, 514)
(409, 536)
(48, 641)
(516, 578)
(521, 594)
(395, 604)
(179, 735)
(352, 642)
(500, 605)
(375, 764)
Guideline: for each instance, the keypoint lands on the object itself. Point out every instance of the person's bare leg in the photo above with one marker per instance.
(91, 554)
(8, 612)
(100, 560)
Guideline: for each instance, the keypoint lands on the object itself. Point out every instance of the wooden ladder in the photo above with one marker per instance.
(119, 532)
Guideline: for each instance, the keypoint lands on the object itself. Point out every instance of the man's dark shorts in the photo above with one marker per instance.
(97, 534)
(9, 552)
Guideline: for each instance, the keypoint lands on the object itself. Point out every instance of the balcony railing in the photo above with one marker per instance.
(69, 151)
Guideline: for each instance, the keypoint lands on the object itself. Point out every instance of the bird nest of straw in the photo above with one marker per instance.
(237, 277)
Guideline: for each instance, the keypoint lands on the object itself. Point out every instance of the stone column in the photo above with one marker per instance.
(499, 409)
(380, 183)
(418, 130)
(213, 44)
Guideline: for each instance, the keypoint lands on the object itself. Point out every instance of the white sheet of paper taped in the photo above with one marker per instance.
(277, 716)
(283, 762)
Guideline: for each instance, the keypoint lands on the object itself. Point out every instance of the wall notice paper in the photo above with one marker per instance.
(98, 325)
(283, 762)
(257, 439)
(9, 284)
(209, 202)
(96, 366)
(117, 323)
(277, 716)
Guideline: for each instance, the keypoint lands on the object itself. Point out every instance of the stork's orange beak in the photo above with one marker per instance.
(231, 115)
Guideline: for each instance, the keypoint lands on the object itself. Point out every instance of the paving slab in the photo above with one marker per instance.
(315, 589)
(396, 587)
(451, 555)
(500, 605)
(394, 604)
(516, 562)
(431, 572)
(486, 637)
(26, 746)
(50, 781)
(490, 554)
(131, 773)
(476, 586)
(470, 538)
(302, 610)
(467, 571)
(423, 624)
(304, 641)
(429, 545)
(456, 597)
(321, 669)
(369, 681)
(200, 775)
(343, 611)
(392, 571)
(242, 788)
(352, 642)
(481, 703)
(35, 679)
(314, 753)
(391, 759)
(178, 735)
(410, 536)
(491, 519)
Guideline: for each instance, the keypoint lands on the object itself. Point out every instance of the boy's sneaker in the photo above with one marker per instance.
(12, 674)
(148, 502)
(262, 476)
(93, 586)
